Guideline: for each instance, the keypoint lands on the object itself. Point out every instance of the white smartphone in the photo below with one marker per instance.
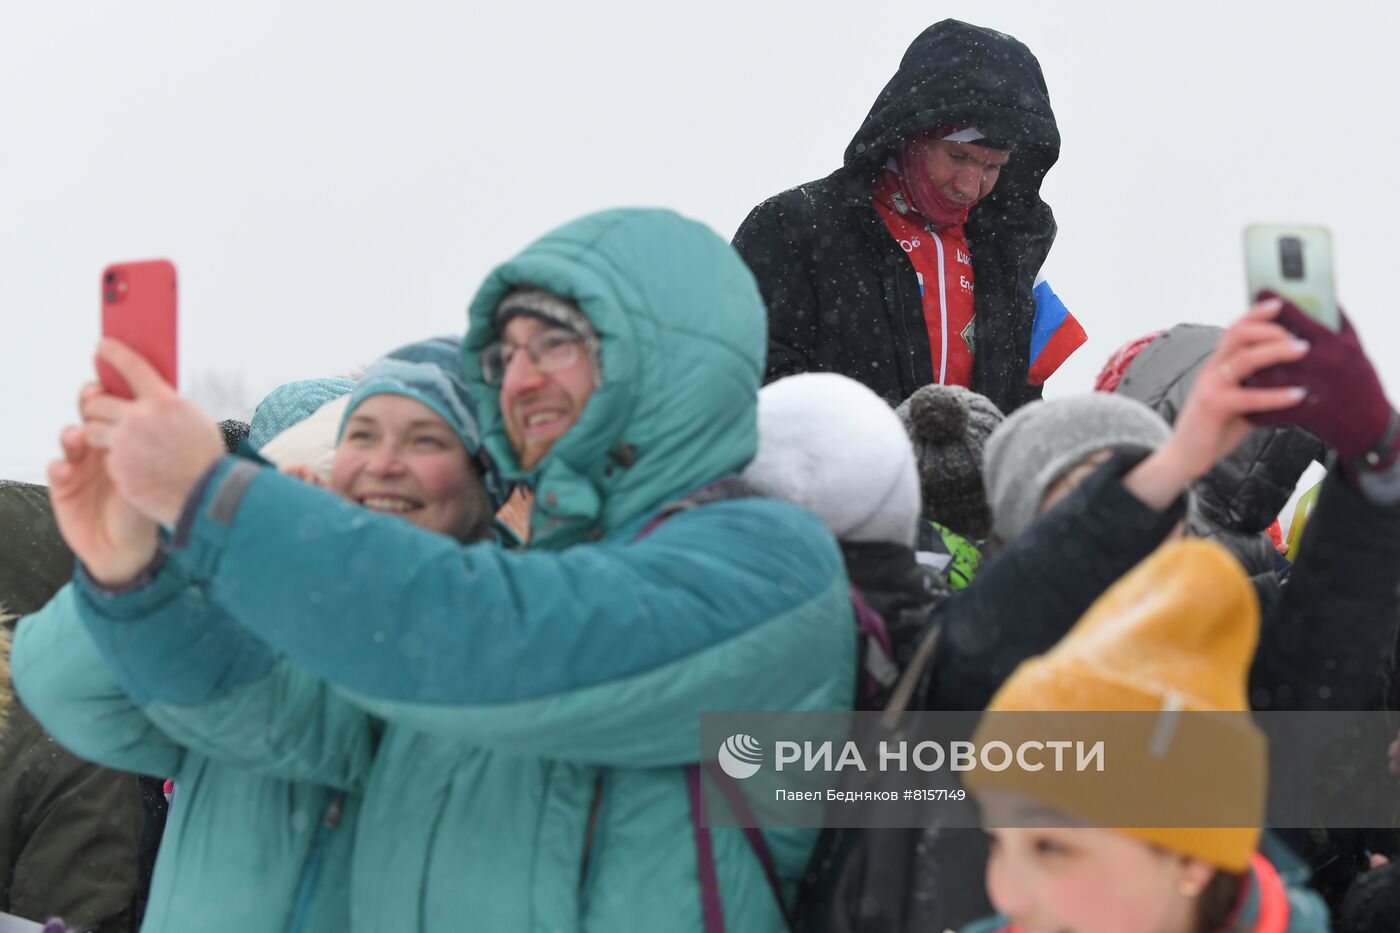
(1296, 262)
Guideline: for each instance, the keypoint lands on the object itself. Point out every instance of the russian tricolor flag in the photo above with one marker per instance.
(1054, 335)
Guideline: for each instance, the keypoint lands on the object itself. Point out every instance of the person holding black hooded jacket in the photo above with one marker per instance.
(932, 228)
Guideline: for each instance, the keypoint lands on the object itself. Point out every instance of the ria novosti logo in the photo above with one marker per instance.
(741, 756)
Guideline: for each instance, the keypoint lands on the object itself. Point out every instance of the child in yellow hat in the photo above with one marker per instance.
(1174, 636)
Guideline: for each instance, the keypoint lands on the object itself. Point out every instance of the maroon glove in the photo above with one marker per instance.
(1345, 406)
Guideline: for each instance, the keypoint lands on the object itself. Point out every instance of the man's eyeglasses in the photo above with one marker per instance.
(549, 350)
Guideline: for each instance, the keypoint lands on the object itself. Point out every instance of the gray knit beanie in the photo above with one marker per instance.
(1041, 442)
(949, 427)
(544, 305)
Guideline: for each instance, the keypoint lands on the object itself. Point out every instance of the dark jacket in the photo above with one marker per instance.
(869, 880)
(841, 295)
(1240, 498)
(898, 587)
(69, 830)
(34, 561)
(1321, 639)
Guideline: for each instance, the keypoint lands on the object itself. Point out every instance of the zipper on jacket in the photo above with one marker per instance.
(942, 307)
(591, 838)
(311, 876)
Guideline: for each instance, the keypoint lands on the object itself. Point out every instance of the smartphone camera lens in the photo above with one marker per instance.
(111, 278)
(1290, 254)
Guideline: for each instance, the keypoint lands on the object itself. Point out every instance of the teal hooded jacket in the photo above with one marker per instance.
(525, 694)
(241, 834)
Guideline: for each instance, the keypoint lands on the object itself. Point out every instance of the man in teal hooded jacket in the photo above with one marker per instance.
(570, 677)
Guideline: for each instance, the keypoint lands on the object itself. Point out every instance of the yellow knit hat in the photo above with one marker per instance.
(1173, 638)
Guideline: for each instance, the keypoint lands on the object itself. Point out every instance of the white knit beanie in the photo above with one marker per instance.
(832, 446)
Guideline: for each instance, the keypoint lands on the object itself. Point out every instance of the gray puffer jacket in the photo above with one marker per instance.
(1236, 501)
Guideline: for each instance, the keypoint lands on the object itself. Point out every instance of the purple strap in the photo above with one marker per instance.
(704, 850)
(871, 625)
(710, 907)
(870, 622)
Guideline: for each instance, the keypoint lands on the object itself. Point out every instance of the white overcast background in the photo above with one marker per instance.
(333, 180)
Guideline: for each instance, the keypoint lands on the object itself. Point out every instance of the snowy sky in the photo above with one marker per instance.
(333, 180)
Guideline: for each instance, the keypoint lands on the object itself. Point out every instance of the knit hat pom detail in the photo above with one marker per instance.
(938, 419)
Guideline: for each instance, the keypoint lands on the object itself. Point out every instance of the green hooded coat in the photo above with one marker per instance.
(526, 694)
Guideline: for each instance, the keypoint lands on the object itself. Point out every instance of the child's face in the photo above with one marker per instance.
(1049, 879)
(398, 456)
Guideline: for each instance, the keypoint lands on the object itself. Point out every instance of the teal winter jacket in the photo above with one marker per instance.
(526, 695)
(230, 824)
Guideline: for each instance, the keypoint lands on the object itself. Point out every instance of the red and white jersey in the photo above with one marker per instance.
(943, 266)
(942, 263)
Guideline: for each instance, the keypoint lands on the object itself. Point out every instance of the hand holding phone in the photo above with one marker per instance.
(1294, 262)
(1346, 405)
(139, 309)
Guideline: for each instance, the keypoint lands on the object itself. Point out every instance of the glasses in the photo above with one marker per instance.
(549, 351)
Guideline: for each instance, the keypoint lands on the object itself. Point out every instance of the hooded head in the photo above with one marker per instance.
(1043, 442)
(832, 446)
(957, 74)
(681, 333)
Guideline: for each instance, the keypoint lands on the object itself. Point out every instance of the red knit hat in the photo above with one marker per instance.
(1118, 363)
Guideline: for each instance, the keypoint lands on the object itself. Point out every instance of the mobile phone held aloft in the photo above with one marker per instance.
(139, 309)
(1295, 262)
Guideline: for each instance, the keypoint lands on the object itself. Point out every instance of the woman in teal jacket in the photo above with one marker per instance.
(289, 784)
(542, 705)
(209, 837)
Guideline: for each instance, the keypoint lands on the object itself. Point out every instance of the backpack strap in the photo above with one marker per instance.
(710, 905)
(880, 670)
(711, 909)
(720, 490)
(904, 690)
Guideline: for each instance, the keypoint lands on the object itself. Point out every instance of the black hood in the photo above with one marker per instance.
(1246, 490)
(955, 72)
(958, 73)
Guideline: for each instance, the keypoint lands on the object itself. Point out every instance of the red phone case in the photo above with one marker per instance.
(139, 309)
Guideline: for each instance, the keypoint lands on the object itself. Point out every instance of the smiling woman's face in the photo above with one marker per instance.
(398, 456)
(1057, 879)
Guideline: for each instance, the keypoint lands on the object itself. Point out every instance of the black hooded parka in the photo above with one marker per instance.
(842, 296)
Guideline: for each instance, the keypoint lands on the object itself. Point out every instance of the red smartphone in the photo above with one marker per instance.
(139, 309)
